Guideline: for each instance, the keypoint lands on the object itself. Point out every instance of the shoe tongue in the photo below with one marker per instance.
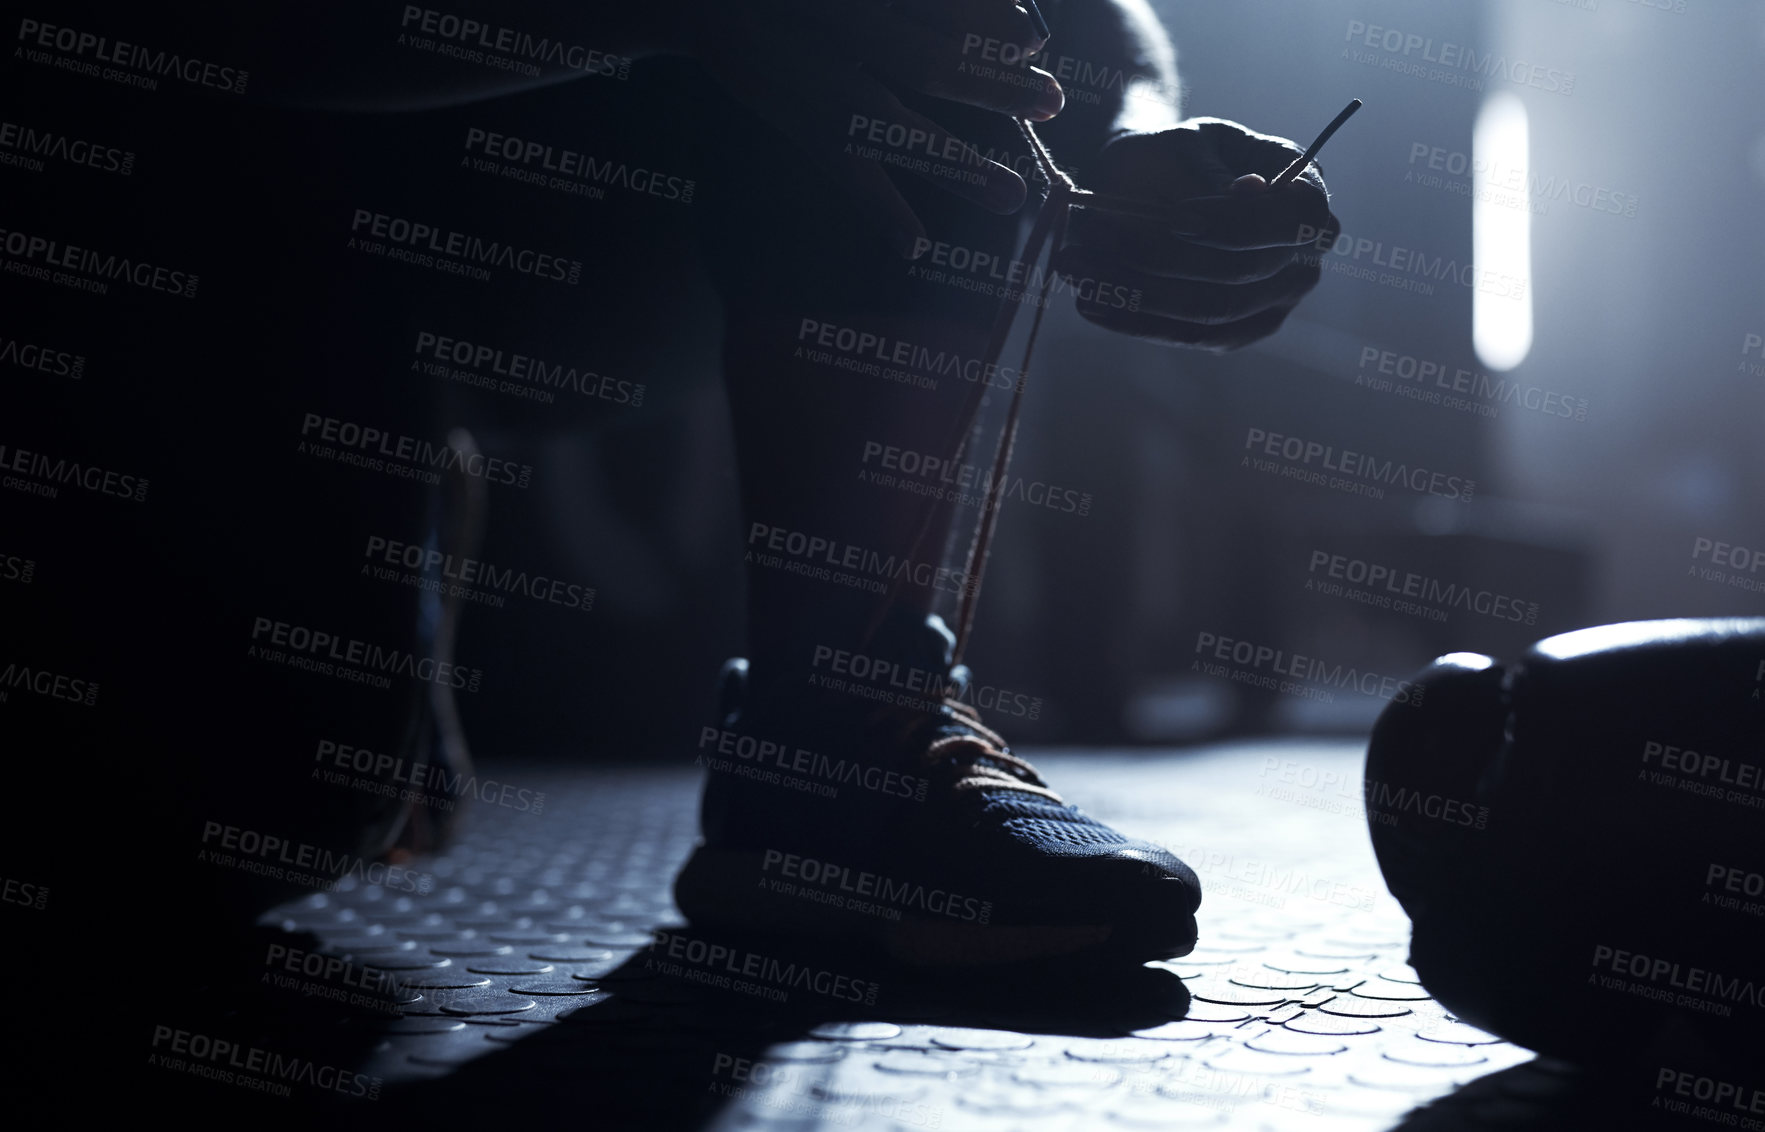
(921, 640)
(816, 692)
(906, 648)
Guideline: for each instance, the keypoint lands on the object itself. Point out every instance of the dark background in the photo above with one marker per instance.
(1643, 316)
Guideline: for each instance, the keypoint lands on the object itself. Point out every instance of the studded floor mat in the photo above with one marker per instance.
(521, 977)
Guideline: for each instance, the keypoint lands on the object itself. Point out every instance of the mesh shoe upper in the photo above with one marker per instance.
(986, 825)
(1062, 831)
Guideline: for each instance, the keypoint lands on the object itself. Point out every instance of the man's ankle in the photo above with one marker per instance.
(905, 661)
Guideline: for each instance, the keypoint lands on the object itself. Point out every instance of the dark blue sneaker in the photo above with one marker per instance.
(866, 816)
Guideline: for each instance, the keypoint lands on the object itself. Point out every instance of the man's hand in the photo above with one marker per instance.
(1236, 257)
(823, 73)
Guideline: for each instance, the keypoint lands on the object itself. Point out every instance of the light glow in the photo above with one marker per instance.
(1501, 234)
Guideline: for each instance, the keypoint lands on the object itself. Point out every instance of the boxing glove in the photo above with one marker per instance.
(1579, 841)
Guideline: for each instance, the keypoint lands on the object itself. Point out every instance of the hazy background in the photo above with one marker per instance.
(1639, 324)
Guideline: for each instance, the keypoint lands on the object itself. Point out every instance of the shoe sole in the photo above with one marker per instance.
(726, 889)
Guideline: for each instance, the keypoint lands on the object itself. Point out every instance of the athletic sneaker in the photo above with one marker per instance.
(861, 813)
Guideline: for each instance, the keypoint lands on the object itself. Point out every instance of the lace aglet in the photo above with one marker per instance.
(1311, 151)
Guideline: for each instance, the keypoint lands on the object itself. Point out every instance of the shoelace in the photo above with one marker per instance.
(985, 762)
(1047, 231)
